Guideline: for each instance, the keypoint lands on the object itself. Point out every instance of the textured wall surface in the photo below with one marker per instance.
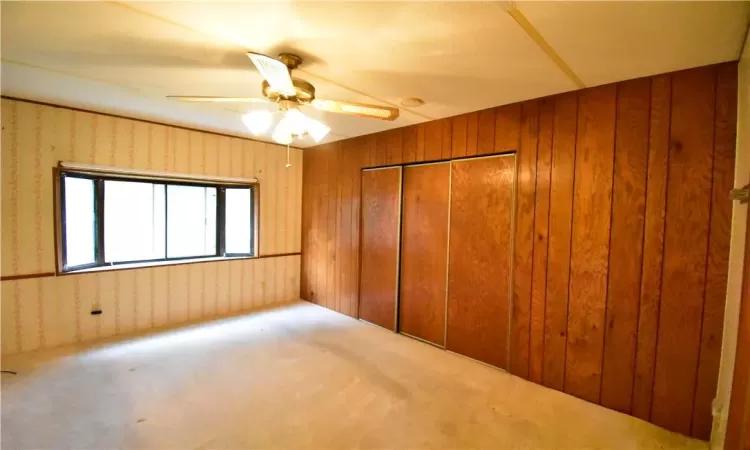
(48, 311)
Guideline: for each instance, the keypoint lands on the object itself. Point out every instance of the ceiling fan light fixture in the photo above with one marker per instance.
(257, 122)
(281, 135)
(295, 122)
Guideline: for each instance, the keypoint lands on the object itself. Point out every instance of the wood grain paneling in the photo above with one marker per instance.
(424, 251)
(653, 245)
(472, 127)
(382, 142)
(540, 236)
(51, 311)
(558, 252)
(589, 259)
(626, 243)
(344, 236)
(433, 141)
(447, 137)
(616, 298)
(725, 134)
(685, 248)
(460, 125)
(410, 144)
(381, 215)
(524, 241)
(332, 197)
(508, 127)
(395, 145)
(479, 277)
(485, 132)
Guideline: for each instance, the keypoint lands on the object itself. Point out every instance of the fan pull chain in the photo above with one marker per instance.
(288, 164)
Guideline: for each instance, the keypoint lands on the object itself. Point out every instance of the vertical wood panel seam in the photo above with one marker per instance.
(549, 217)
(512, 278)
(708, 252)
(533, 222)
(359, 246)
(570, 244)
(337, 252)
(643, 245)
(397, 289)
(663, 246)
(609, 241)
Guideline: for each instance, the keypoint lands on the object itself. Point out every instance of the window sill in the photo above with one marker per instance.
(142, 265)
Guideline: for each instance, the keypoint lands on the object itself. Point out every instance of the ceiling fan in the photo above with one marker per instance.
(290, 94)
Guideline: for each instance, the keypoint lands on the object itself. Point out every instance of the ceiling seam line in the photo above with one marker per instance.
(73, 75)
(537, 37)
(244, 49)
(136, 90)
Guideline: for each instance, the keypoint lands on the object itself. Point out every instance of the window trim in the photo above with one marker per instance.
(99, 177)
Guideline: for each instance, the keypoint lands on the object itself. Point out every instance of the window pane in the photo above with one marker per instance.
(133, 221)
(238, 221)
(80, 219)
(191, 221)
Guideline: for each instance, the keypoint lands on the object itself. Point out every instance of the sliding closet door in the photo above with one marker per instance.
(482, 191)
(379, 237)
(424, 251)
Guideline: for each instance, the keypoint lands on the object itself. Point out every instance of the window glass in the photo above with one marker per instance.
(133, 221)
(80, 222)
(238, 223)
(110, 220)
(191, 221)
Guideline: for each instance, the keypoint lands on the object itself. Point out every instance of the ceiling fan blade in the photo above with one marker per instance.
(357, 109)
(202, 98)
(275, 72)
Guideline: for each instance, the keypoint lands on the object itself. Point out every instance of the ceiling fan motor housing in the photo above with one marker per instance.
(304, 92)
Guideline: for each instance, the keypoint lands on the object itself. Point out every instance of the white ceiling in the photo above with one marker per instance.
(124, 58)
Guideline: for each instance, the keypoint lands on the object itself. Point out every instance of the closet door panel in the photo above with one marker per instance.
(379, 228)
(424, 251)
(482, 192)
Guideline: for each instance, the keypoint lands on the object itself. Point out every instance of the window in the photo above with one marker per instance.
(109, 220)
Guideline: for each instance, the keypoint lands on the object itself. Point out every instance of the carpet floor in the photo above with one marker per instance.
(298, 376)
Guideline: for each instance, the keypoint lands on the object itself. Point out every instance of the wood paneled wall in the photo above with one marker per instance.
(49, 311)
(622, 233)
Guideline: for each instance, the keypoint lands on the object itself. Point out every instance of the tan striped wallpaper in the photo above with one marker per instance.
(50, 311)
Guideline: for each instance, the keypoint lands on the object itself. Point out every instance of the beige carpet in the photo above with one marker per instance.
(298, 376)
